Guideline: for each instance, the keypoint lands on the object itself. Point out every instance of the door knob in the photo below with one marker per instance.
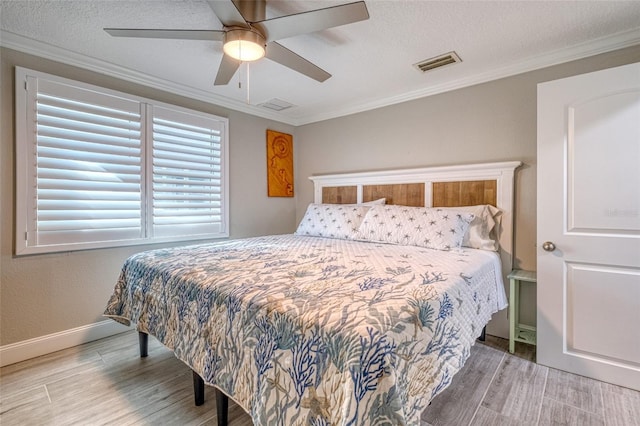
(548, 246)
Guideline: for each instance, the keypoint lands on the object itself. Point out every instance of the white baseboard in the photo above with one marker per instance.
(27, 349)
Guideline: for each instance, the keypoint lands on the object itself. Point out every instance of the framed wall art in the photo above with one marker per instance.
(279, 164)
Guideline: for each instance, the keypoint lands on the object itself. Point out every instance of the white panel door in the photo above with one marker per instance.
(588, 288)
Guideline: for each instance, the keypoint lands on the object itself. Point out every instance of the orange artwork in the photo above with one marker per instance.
(279, 164)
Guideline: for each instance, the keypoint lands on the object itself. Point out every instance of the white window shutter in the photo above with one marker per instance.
(97, 168)
(88, 174)
(188, 183)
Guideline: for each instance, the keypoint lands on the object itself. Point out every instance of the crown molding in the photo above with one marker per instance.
(579, 51)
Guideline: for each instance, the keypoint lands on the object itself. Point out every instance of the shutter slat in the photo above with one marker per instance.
(181, 128)
(185, 165)
(160, 196)
(84, 185)
(188, 205)
(83, 204)
(179, 192)
(57, 108)
(166, 144)
(86, 214)
(92, 224)
(121, 179)
(90, 197)
(70, 149)
(109, 127)
(125, 139)
(208, 158)
(95, 101)
(133, 168)
(181, 177)
(202, 142)
(177, 220)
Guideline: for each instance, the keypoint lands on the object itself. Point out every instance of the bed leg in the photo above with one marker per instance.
(198, 388)
(222, 406)
(483, 335)
(143, 341)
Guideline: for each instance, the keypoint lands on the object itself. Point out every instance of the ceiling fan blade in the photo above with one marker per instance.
(227, 13)
(280, 54)
(314, 20)
(227, 69)
(215, 35)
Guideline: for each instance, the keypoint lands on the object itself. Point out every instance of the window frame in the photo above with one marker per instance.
(26, 171)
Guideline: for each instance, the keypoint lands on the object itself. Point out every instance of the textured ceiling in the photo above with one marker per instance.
(371, 61)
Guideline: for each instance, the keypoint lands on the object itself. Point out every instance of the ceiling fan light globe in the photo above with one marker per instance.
(243, 50)
(244, 45)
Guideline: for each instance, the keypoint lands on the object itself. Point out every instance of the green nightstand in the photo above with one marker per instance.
(519, 332)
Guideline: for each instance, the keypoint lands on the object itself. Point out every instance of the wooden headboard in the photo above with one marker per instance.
(446, 186)
(444, 194)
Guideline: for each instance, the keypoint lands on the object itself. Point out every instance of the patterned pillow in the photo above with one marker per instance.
(482, 232)
(332, 220)
(415, 226)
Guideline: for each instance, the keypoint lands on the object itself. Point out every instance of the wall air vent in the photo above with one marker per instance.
(438, 61)
(276, 104)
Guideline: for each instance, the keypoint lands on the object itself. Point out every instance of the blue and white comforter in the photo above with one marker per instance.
(307, 330)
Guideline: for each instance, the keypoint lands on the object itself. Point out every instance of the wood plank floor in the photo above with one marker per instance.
(107, 383)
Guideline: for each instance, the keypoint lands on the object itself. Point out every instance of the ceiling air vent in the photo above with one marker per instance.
(438, 61)
(276, 104)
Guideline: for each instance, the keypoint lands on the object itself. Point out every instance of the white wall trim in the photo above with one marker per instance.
(27, 349)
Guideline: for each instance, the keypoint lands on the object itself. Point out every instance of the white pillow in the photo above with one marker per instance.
(332, 220)
(417, 226)
(480, 234)
(374, 202)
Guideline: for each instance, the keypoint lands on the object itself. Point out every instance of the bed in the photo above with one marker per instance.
(360, 317)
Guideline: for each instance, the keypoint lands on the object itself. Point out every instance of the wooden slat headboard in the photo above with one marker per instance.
(340, 194)
(404, 194)
(464, 193)
(444, 194)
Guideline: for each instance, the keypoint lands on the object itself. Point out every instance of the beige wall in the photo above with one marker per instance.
(495, 121)
(45, 294)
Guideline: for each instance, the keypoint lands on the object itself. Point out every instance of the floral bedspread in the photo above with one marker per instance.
(306, 330)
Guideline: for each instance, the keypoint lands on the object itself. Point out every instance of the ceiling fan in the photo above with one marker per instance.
(248, 36)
